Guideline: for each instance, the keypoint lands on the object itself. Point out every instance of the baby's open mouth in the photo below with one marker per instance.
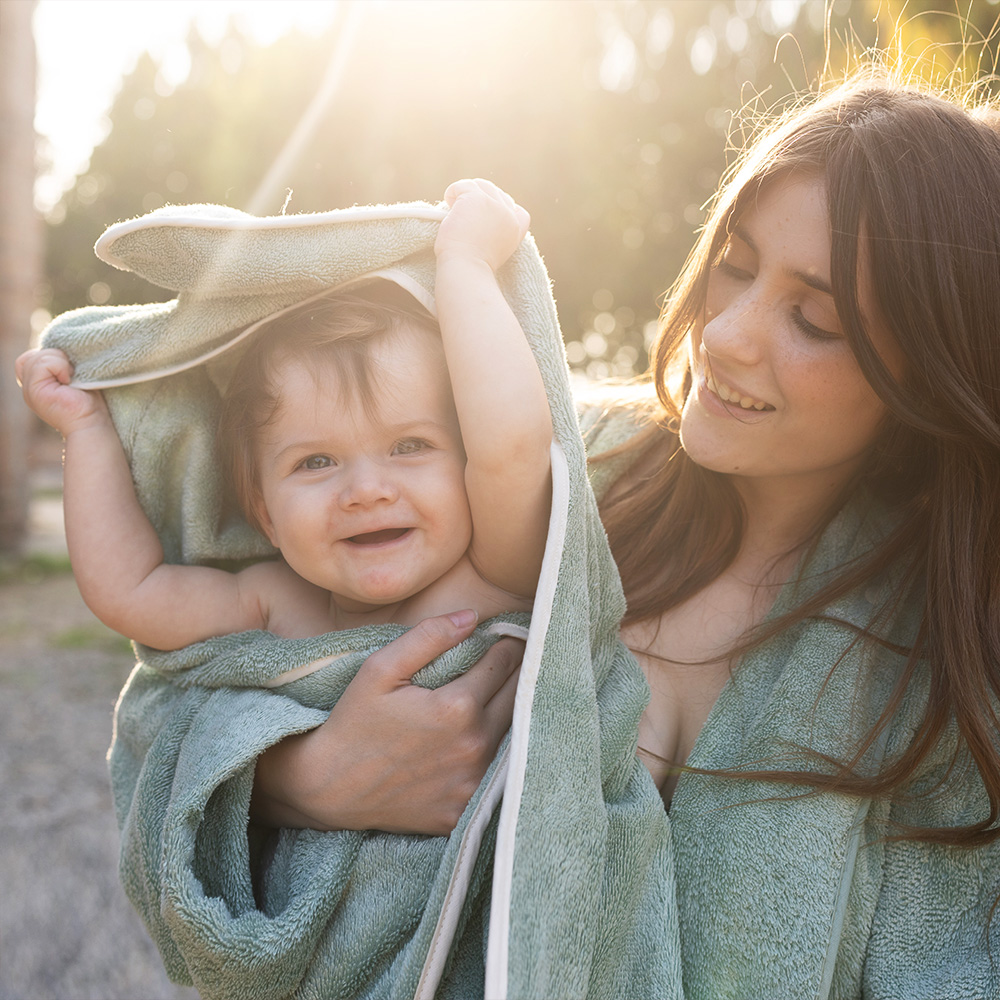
(374, 537)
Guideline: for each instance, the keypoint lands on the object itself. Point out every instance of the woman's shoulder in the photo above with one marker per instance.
(615, 420)
(610, 414)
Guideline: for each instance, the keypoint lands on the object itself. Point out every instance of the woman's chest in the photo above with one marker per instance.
(686, 657)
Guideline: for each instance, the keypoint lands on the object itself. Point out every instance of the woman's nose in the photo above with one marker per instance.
(737, 329)
(367, 483)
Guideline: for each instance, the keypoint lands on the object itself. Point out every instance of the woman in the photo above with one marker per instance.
(805, 516)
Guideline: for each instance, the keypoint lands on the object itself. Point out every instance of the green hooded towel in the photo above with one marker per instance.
(579, 884)
(577, 861)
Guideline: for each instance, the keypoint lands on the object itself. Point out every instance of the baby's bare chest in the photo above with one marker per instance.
(298, 609)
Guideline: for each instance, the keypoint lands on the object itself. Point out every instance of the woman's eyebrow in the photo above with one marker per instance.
(806, 277)
(813, 281)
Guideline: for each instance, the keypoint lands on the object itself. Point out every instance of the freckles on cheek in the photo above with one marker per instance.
(836, 383)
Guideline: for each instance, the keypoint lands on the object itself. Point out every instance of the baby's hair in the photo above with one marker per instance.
(335, 332)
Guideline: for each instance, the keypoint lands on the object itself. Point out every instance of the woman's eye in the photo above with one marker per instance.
(314, 462)
(730, 270)
(409, 446)
(810, 330)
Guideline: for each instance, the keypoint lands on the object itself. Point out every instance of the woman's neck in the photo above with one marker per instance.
(783, 515)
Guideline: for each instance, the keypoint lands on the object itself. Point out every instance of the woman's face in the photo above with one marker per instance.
(777, 393)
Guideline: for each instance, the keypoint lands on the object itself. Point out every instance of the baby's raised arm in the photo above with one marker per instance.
(116, 556)
(499, 394)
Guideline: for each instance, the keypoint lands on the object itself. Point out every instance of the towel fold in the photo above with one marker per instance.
(587, 900)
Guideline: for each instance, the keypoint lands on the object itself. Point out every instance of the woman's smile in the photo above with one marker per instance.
(778, 394)
(726, 400)
(730, 395)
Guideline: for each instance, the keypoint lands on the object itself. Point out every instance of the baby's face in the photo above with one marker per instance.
(371, 507)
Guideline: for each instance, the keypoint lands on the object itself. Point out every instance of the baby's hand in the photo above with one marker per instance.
(44, 376)
(482, 223)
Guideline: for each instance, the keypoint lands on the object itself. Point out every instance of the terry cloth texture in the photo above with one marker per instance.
(580, 855)
(741, 893)
(796, 898)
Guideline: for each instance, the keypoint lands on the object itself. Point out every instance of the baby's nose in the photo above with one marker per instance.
(368, 483)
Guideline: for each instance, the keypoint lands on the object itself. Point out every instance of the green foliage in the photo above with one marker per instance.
(607, 120)
(93, 635)
(33, 568)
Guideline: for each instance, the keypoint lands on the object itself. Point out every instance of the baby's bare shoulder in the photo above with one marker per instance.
(271, 574)
(460, 588)
(289, 605)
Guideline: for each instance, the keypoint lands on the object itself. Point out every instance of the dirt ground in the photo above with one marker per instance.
(67, 932)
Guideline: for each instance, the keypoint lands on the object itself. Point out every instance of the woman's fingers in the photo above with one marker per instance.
(394, 665)
(392, 755)
(487, 678)
(499, 711)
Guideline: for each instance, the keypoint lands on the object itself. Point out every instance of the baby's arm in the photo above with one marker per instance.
(501, 402)
(116, 556)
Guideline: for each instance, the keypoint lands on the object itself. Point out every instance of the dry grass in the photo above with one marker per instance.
(66, 930)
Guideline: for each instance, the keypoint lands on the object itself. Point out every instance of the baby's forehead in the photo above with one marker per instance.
(391, 377)
(381, 357)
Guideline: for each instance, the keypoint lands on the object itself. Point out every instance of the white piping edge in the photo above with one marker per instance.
(305, 669)
(458, 886)
(399, 277)
(244, 223)
(468, 852)
(498, 946)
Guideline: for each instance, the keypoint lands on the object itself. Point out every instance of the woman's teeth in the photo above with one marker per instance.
(730, 396)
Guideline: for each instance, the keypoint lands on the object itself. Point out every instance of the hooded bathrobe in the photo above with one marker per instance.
(565, 876)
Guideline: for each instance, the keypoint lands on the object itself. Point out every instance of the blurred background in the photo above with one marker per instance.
(609, 120)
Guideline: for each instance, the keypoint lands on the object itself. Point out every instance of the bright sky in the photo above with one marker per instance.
(86, 46)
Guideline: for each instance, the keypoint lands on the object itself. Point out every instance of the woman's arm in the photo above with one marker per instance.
(394, 756)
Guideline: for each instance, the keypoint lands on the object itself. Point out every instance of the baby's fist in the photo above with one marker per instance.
(45, 376)
(482, 222)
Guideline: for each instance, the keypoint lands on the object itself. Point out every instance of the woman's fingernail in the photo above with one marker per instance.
(463, 619)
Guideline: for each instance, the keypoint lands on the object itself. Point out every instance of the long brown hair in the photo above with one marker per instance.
(913, 183)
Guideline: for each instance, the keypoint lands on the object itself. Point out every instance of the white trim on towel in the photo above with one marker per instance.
(458, 885)
(242, 222)
(401, 278)
(468, 853)
(497, 953)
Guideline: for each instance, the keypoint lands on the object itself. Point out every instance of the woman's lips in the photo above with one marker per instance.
(734, 396)
(713, 403)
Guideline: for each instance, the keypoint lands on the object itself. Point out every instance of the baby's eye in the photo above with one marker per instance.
(314, 462)
(409, 446)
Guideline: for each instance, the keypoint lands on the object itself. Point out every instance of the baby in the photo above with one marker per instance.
(400, 470)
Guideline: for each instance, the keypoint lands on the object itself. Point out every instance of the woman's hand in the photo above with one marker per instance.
(393, 756)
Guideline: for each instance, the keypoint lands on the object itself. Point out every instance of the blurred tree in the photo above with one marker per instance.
(20, 259)
(607, 119)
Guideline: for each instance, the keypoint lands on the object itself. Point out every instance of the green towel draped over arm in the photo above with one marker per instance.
(579, 884)
(589, 894)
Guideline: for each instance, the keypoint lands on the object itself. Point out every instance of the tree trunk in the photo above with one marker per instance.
(20, 258)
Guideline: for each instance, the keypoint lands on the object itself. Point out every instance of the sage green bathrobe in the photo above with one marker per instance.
(579, 884)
